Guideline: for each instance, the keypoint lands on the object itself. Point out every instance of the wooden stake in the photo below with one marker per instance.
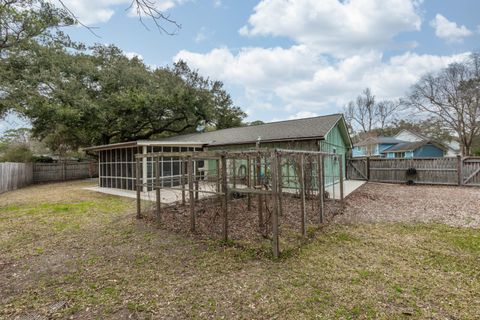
(234, 176)
(280, 184)
(302, 194)
(260, 197)
(190, 194)
(225, 198)
(157, 190)
(196, 178)
(217, 164)
(340, 164)
(249, 183)
(137, 188)
(274, 173)
(320, 187)
(182, 179)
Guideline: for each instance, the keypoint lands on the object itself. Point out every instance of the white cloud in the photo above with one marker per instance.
(298, 115)
(132, 54)
(334, 26)
(202, 35)
(91, 12)
(217, 3)
(449, 30)
(298, 78)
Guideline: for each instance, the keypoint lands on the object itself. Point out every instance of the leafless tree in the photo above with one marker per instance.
(452, 95)
(143, 8)
(365, 114)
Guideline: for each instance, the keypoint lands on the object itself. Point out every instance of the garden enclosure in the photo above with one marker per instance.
(237, 194)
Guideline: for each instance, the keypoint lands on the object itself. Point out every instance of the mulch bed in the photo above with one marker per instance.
(381, 202)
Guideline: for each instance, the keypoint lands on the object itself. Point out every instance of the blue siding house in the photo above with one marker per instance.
(405, 144)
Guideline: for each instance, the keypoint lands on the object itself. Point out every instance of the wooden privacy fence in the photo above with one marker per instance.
(15, 175)
(62, 171)
(441, 171)
(18, 175)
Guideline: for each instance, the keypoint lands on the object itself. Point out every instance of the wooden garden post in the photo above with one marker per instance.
(280, 184)
(320, 187)
(157, 190)
(191, 195)
(340, 165)
(249, 183)
(302, 194)
(225, 197)
(182, 178)
(217, 163)
(275, 198)
(196, 178)
(137, 188)
(260, 197)
(234, 173)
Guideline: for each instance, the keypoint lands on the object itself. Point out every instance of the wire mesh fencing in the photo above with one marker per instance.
(255, 198)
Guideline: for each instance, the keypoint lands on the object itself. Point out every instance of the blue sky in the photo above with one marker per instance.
(287, 59)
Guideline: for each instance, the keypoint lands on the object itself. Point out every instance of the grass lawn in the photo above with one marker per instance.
(67, 252)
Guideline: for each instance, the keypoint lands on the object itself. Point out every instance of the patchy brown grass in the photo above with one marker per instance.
(66, 252)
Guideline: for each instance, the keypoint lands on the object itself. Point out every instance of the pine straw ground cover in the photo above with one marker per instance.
(71, 253)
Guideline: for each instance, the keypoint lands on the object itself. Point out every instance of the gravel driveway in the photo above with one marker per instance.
(381, 202)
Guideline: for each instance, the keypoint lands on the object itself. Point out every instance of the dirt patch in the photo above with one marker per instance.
(381, 202)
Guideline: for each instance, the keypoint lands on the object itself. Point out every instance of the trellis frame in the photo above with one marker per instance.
(272, 161)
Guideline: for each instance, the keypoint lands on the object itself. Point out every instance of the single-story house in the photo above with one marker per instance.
(405, 144)
(325, 133)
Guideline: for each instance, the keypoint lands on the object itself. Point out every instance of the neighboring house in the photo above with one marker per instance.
(373, 146)
(326, 133)
(405, 144)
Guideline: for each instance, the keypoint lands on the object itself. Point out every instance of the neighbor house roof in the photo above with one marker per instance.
(300, 129)
(378, 140)
(411, 146)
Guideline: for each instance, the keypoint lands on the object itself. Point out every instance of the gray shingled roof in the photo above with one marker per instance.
(308, 128)
(406, 146)
(380, 139)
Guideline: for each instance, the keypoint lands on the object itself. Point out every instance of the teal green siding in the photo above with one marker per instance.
(336, 141)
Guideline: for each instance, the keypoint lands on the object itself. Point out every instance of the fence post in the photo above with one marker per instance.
(157, 189)
(182, 178)
(64, 170)
(191, 195)
(368, 168)
(340, 166)
(274, 172)
(320, 185)
(260, 197)
(249, 183)
(280, 184)
(225, 197)
(137, 187)
(303, 219)
(460, 170)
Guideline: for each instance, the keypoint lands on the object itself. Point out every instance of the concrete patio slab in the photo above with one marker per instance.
(170, 196)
